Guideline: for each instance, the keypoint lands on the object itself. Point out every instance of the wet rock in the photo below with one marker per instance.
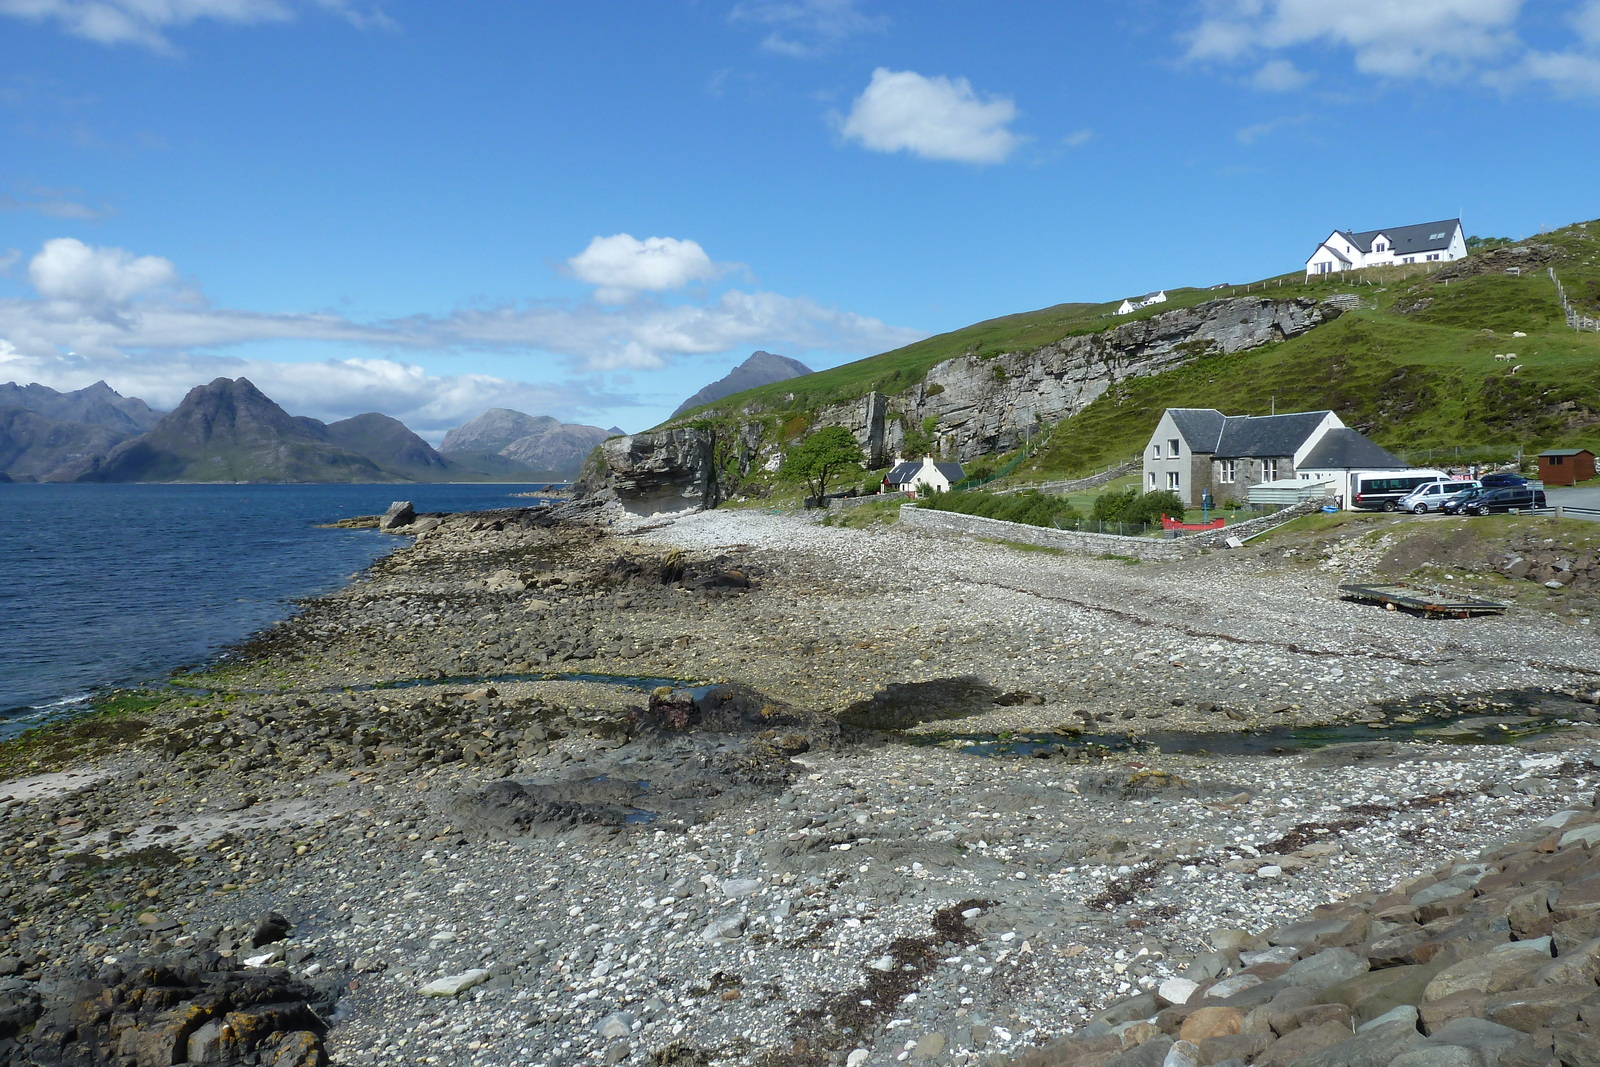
(400, 513)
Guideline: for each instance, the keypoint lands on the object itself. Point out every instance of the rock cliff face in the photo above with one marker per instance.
(988, 405)
(667, 470)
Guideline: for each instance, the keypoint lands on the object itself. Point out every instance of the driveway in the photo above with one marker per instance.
(1575, 498)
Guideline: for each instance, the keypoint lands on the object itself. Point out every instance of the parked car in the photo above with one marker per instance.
(1502, 498)
(1432, 496)
(1495, 479)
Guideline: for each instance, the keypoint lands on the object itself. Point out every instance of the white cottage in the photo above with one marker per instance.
(1426, 242)
(1130, 305)
(925, 473)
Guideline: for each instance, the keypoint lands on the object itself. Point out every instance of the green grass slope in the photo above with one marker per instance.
(1415, 371)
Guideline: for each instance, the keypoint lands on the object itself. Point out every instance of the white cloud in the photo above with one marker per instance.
(1078, 139)
(807, 28)
(621, 266)
(1279, 76)
(1392, 38)
(1568, 73)
(106, 303)
(1442, 40)
(935, 118)
(97, 279)
(145, 22)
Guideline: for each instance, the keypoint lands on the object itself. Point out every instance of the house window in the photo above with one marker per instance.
(1152, 481)
(1228, 471)
(1557, 460)
(1172, 480)
(1269, 470)
(1155, 450)
(1172, 448)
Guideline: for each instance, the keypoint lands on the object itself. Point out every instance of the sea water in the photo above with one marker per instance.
(118, 585)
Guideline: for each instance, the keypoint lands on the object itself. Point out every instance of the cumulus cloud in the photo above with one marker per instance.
(145, 23)
(97, 279)
(622, 266)
(935, 118)
(1443, 40)
(807, 28)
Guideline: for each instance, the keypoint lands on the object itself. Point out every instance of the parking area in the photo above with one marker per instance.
(1587, 499)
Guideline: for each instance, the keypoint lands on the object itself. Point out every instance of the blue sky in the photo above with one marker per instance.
(591, 210)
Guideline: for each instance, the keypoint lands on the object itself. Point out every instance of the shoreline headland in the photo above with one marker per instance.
(557, 785)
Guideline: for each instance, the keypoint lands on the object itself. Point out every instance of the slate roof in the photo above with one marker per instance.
(1266, 435)
(1200, 427)
(1346, 449)
(1408, 240)
(903, 472)
(952, 471)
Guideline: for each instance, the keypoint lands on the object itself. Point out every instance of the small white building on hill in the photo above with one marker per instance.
(1426, 242)
(1130, 305)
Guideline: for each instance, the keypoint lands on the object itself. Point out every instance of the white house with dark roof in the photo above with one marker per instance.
(1130, 305)
(1426, 242)
(925, 473)
(1196, 450)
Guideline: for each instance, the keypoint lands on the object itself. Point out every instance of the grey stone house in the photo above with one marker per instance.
(1194, 450)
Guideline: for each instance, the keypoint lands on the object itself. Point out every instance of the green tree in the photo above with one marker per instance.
(816, 460)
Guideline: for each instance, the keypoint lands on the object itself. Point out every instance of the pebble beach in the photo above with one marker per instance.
(568, 786)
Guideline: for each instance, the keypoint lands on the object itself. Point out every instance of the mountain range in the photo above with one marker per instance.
(228, 430)
(530, 440)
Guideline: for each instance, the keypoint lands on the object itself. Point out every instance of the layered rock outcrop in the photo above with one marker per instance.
(667, 470)
(980, 404)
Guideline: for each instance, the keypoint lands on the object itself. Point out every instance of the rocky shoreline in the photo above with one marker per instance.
(560, 786)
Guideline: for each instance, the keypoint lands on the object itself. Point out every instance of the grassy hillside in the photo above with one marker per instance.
(1416, 371)
(901, 368)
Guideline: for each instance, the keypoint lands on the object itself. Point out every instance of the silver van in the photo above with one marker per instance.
(1431, 496)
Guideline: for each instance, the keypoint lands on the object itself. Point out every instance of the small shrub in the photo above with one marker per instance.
(933, 390)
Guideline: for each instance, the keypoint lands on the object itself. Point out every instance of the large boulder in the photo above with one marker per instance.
(667, 470)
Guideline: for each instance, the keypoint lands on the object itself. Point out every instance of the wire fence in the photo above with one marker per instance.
(1576, 319)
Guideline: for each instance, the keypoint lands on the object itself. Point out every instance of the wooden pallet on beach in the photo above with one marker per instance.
(1398, 596)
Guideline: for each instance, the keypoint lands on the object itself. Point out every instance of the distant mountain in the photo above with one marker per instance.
(97, 405)
(536, 442)
(762, 368)
(230, 431)
(389, 444)
(47, 435)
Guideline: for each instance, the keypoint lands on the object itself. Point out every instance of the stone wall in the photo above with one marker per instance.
(950, 523)
(1078, 485)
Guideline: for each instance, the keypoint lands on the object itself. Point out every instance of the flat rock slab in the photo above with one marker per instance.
(455, 984)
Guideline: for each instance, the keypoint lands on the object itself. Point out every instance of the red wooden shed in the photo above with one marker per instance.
(1566, 466)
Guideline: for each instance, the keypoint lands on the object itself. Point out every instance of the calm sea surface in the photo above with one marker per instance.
(115, 585)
